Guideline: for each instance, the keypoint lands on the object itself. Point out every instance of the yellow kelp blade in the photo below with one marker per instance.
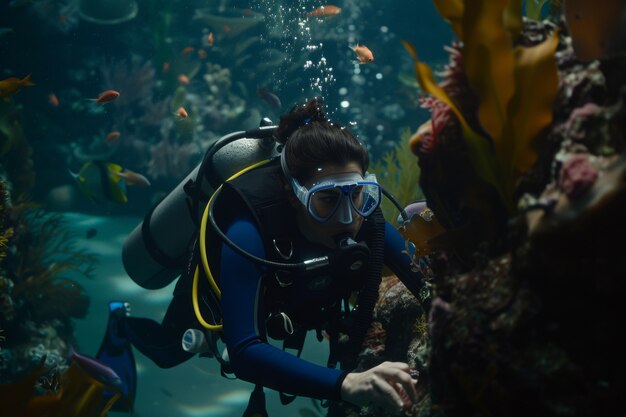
(480, 151)
(537, 84)
(488, 61)
(513, 18)
(20, 393)
(593, 26)
(452, 11)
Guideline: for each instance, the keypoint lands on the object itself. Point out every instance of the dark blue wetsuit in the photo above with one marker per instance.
(253, 359)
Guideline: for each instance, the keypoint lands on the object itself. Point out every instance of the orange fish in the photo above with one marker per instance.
(114, 135)
(133, 178)
(106, 96)
(363, 54)
(227, 28)
(325, 11)
(182, 113)
(209, 39)
(202, 53)
(187, 50)
(166, 67)
(183, 79)
(53, 99)
(12, 85)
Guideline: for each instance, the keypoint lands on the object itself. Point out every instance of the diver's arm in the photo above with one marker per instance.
(252, 358)
(399, 258)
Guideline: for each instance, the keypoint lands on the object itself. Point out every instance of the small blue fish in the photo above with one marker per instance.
(97, 369)
(100, 181)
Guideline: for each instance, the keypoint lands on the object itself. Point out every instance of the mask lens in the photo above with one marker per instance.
(365, 198)
(323, 203)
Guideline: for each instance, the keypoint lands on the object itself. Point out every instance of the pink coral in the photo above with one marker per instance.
(577, 176)
(577, 117)
(454, 80)
(440, 117)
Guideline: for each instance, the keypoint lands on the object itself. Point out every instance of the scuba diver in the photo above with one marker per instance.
(290, 244)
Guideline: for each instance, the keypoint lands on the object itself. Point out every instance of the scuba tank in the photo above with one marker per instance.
(156, 251)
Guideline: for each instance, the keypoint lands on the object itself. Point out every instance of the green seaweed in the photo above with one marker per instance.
(398, 172)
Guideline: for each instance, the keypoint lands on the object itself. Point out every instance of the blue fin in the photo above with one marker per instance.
(256, 404)
(116, 352)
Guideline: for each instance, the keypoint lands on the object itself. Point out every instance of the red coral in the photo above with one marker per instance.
(577, 176)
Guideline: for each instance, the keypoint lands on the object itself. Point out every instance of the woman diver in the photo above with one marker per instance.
(314, 206)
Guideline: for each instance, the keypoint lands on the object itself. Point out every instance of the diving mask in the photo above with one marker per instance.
(342, 193)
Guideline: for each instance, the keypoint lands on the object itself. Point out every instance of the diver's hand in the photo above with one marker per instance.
(388, 385)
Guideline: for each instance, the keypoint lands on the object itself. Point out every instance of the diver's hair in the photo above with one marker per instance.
(311, 140)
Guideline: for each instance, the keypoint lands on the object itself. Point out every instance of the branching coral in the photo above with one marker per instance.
(171, 160)
(134, 80)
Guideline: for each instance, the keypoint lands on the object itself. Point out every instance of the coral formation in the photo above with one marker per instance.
(390, 339)
(38, 293)
(528, 298)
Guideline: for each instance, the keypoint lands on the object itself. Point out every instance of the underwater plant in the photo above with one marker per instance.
(47, 253)
(78, 394)
(397, 170)
(38, 292)
(509, 333)
(5, 233)
(515, 85)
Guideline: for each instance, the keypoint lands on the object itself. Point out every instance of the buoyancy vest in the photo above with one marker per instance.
(315, 300)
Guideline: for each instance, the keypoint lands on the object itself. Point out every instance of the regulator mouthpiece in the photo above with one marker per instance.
(351, 256)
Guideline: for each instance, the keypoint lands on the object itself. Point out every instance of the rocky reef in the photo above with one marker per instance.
(528, 279)
(39, 265)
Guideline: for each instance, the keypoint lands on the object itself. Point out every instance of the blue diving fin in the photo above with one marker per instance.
(116, 352)
(256, 404)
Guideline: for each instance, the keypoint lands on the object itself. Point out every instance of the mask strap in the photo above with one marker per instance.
(283, 165)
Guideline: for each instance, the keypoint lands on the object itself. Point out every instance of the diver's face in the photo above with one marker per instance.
(336, 225)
